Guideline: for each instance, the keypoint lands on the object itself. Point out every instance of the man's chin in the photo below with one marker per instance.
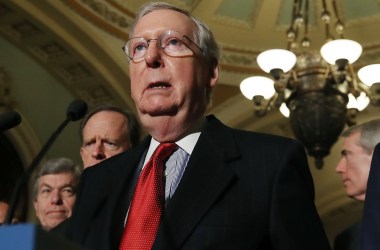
(162, 112)
(54, 223)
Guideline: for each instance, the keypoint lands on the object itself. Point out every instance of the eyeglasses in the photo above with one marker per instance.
(171, 42)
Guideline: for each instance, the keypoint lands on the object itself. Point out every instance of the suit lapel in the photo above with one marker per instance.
(95, 191)
(206, 178)
(119, 201)
(105, 193)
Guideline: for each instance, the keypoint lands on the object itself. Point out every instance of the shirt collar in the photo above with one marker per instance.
(187, 143)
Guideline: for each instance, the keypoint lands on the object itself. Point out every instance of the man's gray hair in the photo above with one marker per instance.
(203, 37)
(57, 166)
(369, 134)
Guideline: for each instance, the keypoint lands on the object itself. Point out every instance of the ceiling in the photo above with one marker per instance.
(52, 52)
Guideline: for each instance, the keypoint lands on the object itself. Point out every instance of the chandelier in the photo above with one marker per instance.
(320, 93)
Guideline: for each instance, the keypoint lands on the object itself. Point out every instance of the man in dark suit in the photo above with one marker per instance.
(371, 216)
(357, 149)
(224, 188)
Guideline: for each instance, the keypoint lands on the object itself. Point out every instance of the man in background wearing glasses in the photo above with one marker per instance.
(222, 188)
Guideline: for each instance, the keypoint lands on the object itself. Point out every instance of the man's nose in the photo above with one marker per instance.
(56, 197)
(98, 151)
(341, 166)
(153, 55)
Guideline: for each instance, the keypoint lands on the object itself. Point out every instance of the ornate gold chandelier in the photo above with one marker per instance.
(320, 93)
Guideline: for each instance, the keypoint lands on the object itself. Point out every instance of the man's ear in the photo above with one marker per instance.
(35, 205)
(214, 73)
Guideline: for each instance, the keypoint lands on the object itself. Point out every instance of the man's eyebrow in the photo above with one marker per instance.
(44, 185)
(89, 139)
(68, 185)
(59, 187)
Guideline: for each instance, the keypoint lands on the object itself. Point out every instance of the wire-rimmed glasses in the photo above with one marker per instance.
(171, 42)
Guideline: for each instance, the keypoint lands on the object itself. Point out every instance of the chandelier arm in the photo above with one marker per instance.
(324, 5)
(306, 17)
(294, 13)
(289, 45)
(335, 8)
(299, 17)
(291, 33)
(327, 32)
(265, 105)
(365, 89)
(272, 101)
(297, 30)
(358, 86)
(354, 81)
(339, 22)
(299, 8)
(262, 105)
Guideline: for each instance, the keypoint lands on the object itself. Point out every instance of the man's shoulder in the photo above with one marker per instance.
(349, 238)
(216, 129)
(215, 122)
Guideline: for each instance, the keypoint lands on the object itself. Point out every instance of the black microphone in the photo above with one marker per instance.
(9, 120)
(76, 110)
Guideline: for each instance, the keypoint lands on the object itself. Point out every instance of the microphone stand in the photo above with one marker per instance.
(24, 178)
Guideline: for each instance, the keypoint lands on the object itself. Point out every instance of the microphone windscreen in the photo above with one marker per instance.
(9, 120)
(76, 110)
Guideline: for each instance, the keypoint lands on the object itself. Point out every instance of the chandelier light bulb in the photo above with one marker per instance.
(369, 74)
(359, 103)
(299, 20)
(341, 49)
(276, 59)
(291, 34)
(305, 42)
(257, 86)
(339, 27)
(284, 110)
(325, 16)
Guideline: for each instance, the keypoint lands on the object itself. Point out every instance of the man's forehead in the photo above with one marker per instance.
(159, 20)
(105, 120)
(352, 140)
(56, 179)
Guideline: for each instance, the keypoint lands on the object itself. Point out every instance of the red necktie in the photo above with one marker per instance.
(148, 202)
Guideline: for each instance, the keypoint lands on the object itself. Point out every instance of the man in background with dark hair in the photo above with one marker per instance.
(105, 131)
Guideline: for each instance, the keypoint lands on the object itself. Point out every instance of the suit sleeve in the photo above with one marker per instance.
(294, 221)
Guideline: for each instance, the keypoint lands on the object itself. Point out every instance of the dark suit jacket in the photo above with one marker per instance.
(349, 239)
(370, 235)
(240, 190)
